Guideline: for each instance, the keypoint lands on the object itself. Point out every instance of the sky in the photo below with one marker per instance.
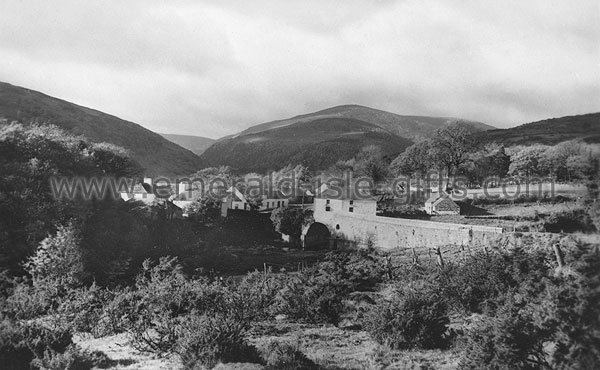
(214, 68)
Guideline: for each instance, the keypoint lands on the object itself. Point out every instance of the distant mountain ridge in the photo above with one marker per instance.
(196, 144)
(409, 127)
(158, 156)
(551, 131)
(320, 139)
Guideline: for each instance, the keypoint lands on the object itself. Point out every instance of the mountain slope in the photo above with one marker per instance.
(317, 144)
(585, 127)
(320, 139)
(410, 127)
(196, 144)
(156, 154)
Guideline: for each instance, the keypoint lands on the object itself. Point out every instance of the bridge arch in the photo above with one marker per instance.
(317, 236)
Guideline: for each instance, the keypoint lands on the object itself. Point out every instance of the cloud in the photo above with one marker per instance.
(215, 68)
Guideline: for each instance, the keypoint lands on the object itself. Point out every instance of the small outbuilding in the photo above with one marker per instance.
(441, 204)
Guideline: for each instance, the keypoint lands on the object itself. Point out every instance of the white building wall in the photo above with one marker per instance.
(365, 227)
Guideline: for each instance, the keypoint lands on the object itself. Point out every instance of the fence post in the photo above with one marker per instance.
(559, 256)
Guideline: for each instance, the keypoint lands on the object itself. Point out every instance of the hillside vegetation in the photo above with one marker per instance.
(321, 139)
(410, 127)
(316, 144)
(551, 131)
(156, 154)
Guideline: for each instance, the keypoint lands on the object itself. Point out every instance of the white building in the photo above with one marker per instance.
(235, 199)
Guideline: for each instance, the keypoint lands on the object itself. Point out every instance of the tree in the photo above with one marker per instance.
(554, 160)
(30, 155)
(486, 163)
(114, 160)
(305, 178)
(450, 147)
(290, 221)
(205, 210)
(58, 258)
(579, 167)
(414, 160)
(525, 161)
(370, 162)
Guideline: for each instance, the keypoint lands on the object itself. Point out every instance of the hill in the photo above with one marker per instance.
(317, 144)
(551, 131)
(157, 155)
(320, 139)
(409, 127)
(196, 144)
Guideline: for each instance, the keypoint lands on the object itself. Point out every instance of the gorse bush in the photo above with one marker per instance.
(410, 319)
(205, 340)
(311, 296)
(282, 355)
(317, 294)
(554, 323)
(83, 309)
(21, 342)
(359, 270)
(479, 283)
(73, 358)
(259, 292)
(58, 258)
(204, 322)
(509, 340)
(570, 222)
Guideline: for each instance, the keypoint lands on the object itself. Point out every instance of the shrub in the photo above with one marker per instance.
(72, 359)
(82, 309)
(279, 355)
(118, 314)
(312, 297)
(409, 320)
(58, 258)
(21, 342)
(570, 309)
(158, 314)
(358, 271)
(480, 283)
(258, 291)
(205, 340)
(569, 222)
(552, 324)
(508, 341)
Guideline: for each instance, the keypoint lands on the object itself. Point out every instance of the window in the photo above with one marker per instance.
(337, 227)
(351, 202)
(351, 209)
(328, 205)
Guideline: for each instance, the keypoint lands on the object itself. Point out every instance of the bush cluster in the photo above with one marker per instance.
(410, 319)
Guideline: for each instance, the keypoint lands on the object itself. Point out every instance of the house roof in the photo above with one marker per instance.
(331, 194)
(439, 198)
(433, 197)
(182, 203)
(236, 194)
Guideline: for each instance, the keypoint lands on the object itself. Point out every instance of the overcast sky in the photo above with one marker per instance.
(212, 68)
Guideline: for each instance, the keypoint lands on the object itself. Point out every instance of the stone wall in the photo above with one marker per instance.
(390, 233)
